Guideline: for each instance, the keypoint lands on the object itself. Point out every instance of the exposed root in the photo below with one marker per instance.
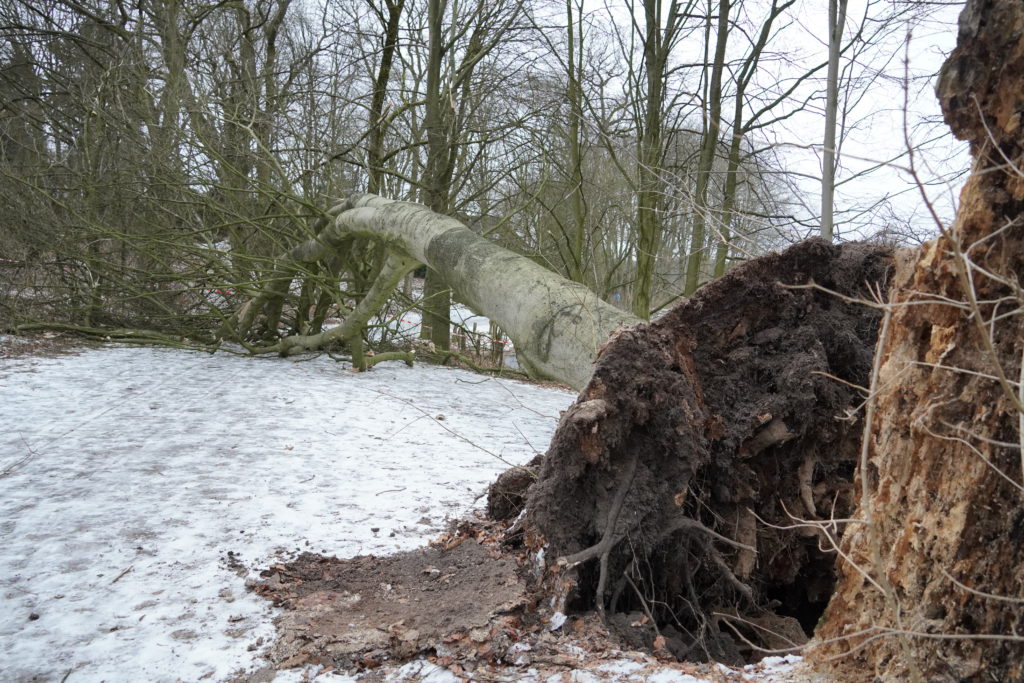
(692, 428)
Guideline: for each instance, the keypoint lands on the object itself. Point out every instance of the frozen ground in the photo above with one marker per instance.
(129, 474)
(133, 483)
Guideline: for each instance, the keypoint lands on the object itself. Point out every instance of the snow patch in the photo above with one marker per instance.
(139, 480)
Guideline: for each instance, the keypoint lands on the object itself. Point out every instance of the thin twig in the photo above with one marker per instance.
(118, 577)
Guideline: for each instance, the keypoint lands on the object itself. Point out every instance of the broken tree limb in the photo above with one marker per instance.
(395, 267)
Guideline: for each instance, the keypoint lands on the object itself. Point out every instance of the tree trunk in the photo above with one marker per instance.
(378, 125)
(574, 97)
(436, 308)
(708, 147)
(932, 582)
(557, 326)
(650, 180)
(836, 24)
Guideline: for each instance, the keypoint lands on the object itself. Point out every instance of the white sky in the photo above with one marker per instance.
(878, 134)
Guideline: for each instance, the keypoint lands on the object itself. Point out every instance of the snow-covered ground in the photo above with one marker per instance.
(135, 482)
(127, 476)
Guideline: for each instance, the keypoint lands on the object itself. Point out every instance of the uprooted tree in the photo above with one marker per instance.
(713, 469)
(707, 461)
(557, 326)
(696, 439)
(699, 440)
(708, 458)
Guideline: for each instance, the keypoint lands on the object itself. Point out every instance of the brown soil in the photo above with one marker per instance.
(467, 604)
(506, 497)
(673, 483)
(364, 611)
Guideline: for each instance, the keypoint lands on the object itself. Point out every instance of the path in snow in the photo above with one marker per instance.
(132, 473)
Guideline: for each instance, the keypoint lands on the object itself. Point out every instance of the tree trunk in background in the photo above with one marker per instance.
(437, 300)
(708, 147)
(944, 505)
(739, 131)
(650, 176)
(574, 96)
(378, 124)
(836, 24)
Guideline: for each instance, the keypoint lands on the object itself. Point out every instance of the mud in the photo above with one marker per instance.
(364, 611)
(699, 443)
(466, 605)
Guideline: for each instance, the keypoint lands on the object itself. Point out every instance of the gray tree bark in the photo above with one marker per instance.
(557, 326)
(836, 24)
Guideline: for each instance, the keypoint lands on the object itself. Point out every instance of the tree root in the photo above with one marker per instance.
(609, 540)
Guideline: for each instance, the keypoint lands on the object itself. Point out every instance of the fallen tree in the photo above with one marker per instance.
(694, 447)
(672, 487)
(696, 492)
(666, 502)
(557, 326)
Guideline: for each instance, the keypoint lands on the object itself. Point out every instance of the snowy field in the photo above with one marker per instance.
(137, 485)
(129, 475)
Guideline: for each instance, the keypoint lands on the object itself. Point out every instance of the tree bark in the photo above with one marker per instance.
(574, 97)
(932, 581)
(836, 24)
(650, 176)
(557, 326)
(708, 147)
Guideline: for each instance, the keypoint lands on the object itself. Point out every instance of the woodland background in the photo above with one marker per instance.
(157, 155)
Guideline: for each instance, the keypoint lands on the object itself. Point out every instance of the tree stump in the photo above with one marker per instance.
(934, 586)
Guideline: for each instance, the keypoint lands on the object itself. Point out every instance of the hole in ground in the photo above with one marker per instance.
(793, 602)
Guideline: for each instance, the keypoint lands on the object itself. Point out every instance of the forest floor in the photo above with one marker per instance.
(164, 513)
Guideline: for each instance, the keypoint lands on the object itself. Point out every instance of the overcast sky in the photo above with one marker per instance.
(873, 145)
(878, 131)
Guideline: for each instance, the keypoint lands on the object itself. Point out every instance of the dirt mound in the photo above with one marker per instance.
(462, 606)
(363, 611)
(673, 483)
(507, 495)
